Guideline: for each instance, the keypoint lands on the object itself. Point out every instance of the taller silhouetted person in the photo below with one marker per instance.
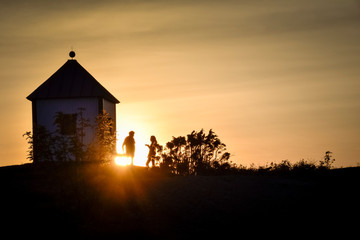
(129, 144)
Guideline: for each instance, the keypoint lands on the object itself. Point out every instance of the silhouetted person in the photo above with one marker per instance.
(129, 144)
(152, 151)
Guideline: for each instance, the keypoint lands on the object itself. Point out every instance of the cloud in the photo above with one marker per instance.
(260, 67)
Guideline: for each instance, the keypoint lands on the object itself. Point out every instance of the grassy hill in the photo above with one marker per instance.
(91, 200)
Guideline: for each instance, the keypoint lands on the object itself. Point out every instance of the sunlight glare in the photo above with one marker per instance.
(122, 161)
(142, 137)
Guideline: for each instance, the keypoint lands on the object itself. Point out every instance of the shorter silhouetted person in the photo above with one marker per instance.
(152, 151)
(129, 144)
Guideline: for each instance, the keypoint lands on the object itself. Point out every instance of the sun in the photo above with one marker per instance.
(141, 152)
(140, 157)
(140, 120)
(122, 161)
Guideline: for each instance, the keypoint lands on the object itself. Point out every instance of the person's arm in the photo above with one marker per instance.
(123, 144)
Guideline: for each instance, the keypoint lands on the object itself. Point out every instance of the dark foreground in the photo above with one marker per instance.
(106, 201)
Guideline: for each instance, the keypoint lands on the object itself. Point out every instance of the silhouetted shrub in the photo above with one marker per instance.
(303, 167)
(285, 167)
(327, 162)
(67, 144)
(197, 153)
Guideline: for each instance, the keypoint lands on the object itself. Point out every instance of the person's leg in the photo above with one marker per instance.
(147, 162)
(153, 162)
(132, 158)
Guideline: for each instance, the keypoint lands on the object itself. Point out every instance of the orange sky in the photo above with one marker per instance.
(274, 79)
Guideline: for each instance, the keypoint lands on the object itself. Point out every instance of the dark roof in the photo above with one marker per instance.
(71, 81)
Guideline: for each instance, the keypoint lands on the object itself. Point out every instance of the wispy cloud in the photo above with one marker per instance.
(257, 67)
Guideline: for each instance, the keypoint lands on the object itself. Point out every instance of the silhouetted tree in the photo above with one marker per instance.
(67, 141)
(283, 167)
(68, 138)
(327, 162)
(39, 145)
(303, 167)
(103, 146)
(78, 146)
(174, 158)
(30, 152)
(198, 153)
(204, 149)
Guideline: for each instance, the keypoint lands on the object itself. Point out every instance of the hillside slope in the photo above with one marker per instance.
(93, 200)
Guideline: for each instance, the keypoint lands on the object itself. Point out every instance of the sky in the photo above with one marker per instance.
(274, 79)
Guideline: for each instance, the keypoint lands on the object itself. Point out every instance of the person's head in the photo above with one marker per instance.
(131, 133)
(153, 138)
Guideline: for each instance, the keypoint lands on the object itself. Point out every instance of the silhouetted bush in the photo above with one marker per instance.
(197, 153)
(327, 162)
(303, 167)
(285, 167)
(67, 144)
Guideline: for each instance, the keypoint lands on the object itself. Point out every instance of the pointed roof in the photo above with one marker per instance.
(71, 81)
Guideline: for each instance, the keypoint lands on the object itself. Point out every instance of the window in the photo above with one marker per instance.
(66, 123)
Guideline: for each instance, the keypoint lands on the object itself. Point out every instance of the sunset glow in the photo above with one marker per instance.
(274, 79)
(126, 124)
(122, 161)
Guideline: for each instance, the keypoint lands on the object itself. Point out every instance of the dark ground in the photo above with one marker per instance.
(110, 201)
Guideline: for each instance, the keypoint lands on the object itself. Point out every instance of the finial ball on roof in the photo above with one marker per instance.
(72, 54)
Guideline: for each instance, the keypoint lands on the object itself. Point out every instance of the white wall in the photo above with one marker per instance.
(110, 108)
(47, 109)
